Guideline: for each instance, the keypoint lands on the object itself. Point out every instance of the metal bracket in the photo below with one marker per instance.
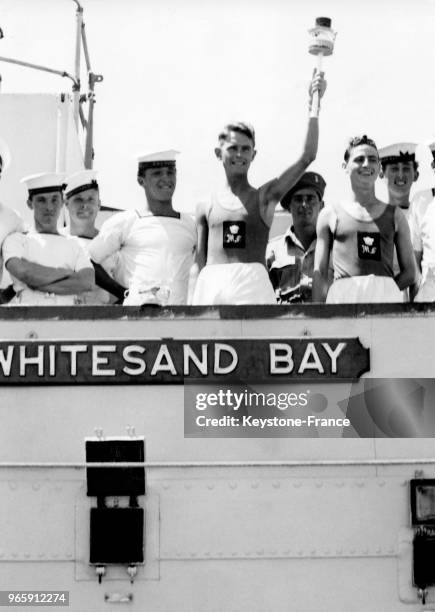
(118, 597)
(132, 572)
(94, 78)
(100, 570)
(422, 594)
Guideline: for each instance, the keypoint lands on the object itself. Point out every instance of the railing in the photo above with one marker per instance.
(218, 464)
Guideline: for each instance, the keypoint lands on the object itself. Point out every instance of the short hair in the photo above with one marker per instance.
(239, 126)
(355, 142)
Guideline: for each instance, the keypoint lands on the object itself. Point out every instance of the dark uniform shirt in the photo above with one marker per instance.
(290, 268)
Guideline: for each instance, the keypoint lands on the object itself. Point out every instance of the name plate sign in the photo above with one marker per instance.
(172, 361)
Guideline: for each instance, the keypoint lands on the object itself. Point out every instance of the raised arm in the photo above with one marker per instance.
(202, 229)
(273, 192)
(321, 257)
(408, 275)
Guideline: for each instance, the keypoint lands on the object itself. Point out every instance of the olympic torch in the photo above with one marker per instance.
(321, 44)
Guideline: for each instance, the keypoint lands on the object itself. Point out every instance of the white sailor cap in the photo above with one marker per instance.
(45, 182)
(157, 159)
(5, 155)
(398, 152)
(80, 181)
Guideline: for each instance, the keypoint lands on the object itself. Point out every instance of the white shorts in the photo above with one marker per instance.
(233, 283)
(364, 289)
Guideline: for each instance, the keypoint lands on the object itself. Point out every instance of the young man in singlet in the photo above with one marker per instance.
(233, 225)
(361, 234)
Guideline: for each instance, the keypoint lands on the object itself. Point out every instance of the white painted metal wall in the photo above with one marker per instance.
(239, 538)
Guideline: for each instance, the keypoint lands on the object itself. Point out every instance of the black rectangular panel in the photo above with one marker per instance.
(117, 535)
(424, 560)
(115, 481)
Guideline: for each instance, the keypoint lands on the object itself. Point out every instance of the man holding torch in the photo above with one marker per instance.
(233, 225)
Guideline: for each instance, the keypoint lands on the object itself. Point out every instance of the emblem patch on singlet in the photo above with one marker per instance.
(369, 245)
(234, 235)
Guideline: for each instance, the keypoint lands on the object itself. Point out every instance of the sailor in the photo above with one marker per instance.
(422, 224)
(154, 245)
(29, 257)
(290, 257)
(10, 220)
(233, 225)
(82, 199)
(400, 171)
(362, 232)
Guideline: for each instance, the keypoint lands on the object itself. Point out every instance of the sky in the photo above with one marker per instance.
(176, 71)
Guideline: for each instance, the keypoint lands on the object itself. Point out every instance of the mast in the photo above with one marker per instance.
(87, 123)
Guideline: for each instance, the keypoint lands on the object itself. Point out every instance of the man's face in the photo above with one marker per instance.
(160, 183)
(363, 165)
(84, 206)
(399, 177)
(305, 206)
(46, 210)
(236, 153)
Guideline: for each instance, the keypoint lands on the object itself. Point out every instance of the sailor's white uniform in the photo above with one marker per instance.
(422, 225)
(149, 248)
(98, 296)
(44, 249)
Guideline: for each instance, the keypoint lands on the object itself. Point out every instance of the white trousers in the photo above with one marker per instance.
(364, 289)
(233, 283)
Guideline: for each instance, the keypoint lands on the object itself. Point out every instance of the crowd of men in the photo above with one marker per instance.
(357, 250)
